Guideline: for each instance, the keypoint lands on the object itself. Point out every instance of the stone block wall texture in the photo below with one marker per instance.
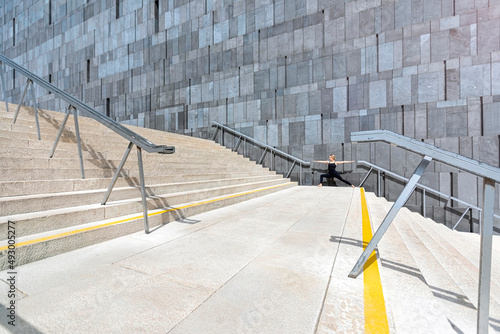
(300, 75)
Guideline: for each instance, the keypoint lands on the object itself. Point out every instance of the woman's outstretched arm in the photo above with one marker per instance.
(343, 162)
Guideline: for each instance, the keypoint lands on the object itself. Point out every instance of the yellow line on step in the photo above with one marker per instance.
(375, 312)
(59, 235)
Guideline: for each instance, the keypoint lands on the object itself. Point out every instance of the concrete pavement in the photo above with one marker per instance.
(261, 266)
(274, 264)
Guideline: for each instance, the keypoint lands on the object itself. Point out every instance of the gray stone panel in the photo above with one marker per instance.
(440, 46)
(313, 130)
(386, 56)
(491, 119)
(428, 87)
(411, 51)
(353, 63)
(356, 97)
(378, 94)
(339, 66)
(297, 133)
(486, 149)
(456, 122)
(401, 90)
(402, 13)
(475, 81)
(488, 36)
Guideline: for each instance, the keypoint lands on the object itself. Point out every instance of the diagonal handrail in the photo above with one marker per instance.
(116, 127)
(490, 175)
(450, 158)
(134, 138)
(266, 148)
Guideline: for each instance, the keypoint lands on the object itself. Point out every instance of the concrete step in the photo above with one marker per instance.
(165, 164)
(463, 267)
(461, 270)
(50, 124)
(20, 188)
(126, 219)
(41, 202)
(71, 151)
(451, 275)
(20, 174)
(14, 139)
(51, 121)
(463, 246)
(410, 295)
(41, 221)
(47, 199)
(468, 243)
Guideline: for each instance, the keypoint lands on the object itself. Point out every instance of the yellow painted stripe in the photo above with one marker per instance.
(59, 235)
(375, 312)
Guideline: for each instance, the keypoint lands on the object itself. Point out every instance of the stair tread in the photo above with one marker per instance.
(43, 194)
(401, 254)
(452, 276)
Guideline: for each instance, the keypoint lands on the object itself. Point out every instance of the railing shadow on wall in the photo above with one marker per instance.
(241, 138)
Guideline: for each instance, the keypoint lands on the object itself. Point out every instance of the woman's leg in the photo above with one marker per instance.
(337, 175)
(321, 178)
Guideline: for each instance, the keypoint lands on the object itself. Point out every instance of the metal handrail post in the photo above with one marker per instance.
(143, 190)
(273, 161)
(20, 102)
(300, 177)
(262, 156)
(78, 141)
(366, 177)
(35, 109)
(461, 217)
(77, 134)
(115, 177)
(258, 143)
(378, 184)
(215, 134)
(483, 305)
(424, 204)
(237, 145)
(403, 197)
(61, 129)
(2, 81)
(471, 221)
(291, 168)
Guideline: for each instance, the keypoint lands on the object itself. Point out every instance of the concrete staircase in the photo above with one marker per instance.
(430, 273)
(54, 210)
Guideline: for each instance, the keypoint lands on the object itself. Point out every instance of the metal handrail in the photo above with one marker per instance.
(265, 147)
(450, 158)
(490, 175)
(134, 139)
(425, 189)
(116, 127)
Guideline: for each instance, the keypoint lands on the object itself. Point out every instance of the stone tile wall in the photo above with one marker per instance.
(300, 75)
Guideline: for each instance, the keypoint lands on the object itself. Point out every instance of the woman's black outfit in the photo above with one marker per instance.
(332, 173)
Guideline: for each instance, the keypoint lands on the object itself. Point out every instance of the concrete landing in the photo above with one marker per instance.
(274, 264)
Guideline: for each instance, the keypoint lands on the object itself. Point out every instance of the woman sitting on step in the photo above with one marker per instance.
(332, 173)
